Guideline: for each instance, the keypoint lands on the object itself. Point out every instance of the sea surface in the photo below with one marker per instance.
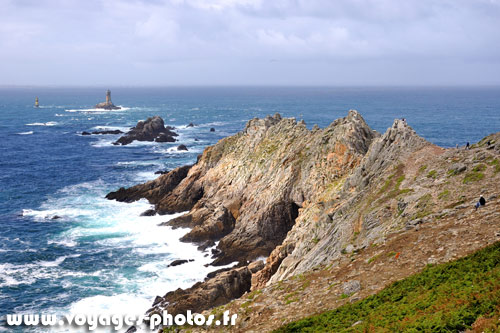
(101, 256)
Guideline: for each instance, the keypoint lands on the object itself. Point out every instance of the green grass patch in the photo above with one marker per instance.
(432, 174)
(444, 298)
(479, 167)
(291, 298)
(254, 294)
(444, 195)
(496, 165)
(372, 259)
(473, 177)
(422, 168)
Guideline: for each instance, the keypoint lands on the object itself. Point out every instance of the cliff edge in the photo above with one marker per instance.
(309, 199)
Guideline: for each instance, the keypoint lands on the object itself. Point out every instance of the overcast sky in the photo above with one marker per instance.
(249, 42)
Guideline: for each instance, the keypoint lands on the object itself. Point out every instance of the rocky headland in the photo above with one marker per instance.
(152, 129)
(320, 204)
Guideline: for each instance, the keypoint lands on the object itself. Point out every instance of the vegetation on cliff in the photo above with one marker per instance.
(450, 297)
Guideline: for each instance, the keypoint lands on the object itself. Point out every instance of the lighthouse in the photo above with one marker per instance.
(108, 97)
(108, 105)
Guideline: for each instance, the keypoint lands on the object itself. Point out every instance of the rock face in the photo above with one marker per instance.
(246, 191)
(153, 129)
(153, 190)
(203, 295)
(305, 198)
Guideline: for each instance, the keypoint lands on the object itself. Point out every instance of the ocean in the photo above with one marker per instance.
(101, 256)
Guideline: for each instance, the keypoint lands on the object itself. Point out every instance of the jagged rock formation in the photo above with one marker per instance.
(153, 129)
(246, 190)
(306, 198)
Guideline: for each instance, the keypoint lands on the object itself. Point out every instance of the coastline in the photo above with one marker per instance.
(217, 213)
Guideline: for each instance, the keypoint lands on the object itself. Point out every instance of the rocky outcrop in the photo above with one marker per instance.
(203, 295)
(153, 129)
(154, 190)
(327, 227)
(107, 106)
(247, 190)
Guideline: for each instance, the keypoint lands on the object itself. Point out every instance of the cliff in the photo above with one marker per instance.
(323, 200)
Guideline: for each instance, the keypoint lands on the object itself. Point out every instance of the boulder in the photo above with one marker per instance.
(149, 212)
(153, 129)
(212, 129)
(182, 148)
(457, 168)
(351, 287)
(179, 262)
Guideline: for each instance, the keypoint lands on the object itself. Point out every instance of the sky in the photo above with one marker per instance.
(250, 42)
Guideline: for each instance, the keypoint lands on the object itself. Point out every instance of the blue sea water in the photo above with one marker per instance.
(100, 255)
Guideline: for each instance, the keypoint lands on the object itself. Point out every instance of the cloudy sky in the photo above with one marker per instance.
(249, 42)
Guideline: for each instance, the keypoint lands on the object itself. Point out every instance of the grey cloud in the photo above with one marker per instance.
(309, 41)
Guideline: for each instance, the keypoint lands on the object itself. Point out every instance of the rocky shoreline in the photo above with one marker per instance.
(302, 198)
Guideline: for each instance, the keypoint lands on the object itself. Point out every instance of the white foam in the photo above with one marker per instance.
(64, 242)
(140, 163)
(98, 110)
(103, 143)
(112, 128)
(120, 291)
(59, 115)
(173, 150)
(54, 263)
(49, 123)
(25, 133)
(145, 176)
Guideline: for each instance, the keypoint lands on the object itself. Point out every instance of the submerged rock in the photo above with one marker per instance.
(153, 129)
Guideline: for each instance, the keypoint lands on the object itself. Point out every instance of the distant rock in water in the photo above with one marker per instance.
(190, 125)
(108, 105)
(212, 129)
(102, 132)
(179, 262)
(153, 129)
(182, 147)
(162, 172)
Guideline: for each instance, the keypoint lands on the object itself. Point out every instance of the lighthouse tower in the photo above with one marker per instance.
(108, 105)
(108, 97)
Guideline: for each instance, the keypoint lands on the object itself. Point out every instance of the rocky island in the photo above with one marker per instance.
(152, 129)
(339, 213)
(108, 105)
